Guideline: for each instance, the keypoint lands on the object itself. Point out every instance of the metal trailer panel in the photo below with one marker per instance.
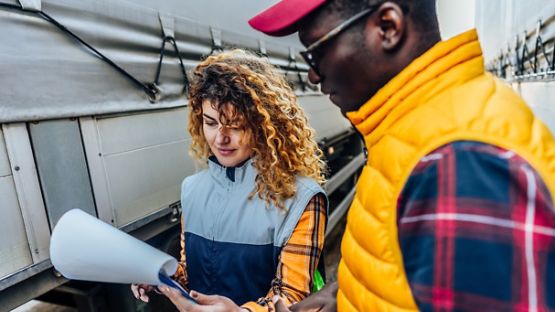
(146, 180)
(14, 247)
(62, 167)
(91, 143)
(27, 187)
(5, 169)
(132, 132)
(137, 162)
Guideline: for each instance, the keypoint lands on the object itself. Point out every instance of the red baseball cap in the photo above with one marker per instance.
(283, 18)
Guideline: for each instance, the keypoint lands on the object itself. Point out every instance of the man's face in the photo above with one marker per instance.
(346, 64)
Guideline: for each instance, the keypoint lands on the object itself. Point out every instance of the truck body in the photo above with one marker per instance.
(93, 115)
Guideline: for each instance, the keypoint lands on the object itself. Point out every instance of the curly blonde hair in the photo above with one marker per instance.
(283, 143)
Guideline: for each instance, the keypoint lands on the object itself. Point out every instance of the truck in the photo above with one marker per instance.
(93, 115)
(518, 40)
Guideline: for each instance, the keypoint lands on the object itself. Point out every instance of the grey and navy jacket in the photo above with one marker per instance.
(233, 243)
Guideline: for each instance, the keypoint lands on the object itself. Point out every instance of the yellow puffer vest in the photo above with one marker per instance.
(441, 97)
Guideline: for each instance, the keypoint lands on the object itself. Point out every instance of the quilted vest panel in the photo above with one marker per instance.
(442, 97)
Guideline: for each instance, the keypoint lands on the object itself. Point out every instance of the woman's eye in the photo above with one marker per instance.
(209, 123)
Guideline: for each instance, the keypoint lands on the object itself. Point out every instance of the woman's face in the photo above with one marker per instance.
(230, 144)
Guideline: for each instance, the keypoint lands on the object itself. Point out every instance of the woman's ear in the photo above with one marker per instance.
(392, 24)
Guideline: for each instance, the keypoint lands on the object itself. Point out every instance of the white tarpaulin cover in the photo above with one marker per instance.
(48, 74)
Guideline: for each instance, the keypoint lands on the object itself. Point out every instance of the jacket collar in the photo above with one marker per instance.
(447, 64)
(231, 174)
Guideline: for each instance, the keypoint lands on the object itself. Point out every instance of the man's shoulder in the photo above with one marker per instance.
(469, 172)
(469, 154)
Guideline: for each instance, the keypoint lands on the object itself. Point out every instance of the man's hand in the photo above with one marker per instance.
(322, 301)
(204, 303)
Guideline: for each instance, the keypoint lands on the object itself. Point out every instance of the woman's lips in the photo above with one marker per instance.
(225, 152)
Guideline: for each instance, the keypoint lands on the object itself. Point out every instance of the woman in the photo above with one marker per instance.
(254, 219)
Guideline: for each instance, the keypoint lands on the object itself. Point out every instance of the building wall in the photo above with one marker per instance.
(455, 16)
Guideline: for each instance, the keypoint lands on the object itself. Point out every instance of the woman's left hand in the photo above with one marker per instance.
(204, 303)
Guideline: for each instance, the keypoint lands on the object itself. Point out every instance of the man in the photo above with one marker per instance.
(454, 208)
(460, 175)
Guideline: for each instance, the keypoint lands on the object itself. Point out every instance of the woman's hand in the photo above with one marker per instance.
(140, 291)
(204, 303)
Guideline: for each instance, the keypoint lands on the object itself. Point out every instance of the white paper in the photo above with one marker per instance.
(85, 248)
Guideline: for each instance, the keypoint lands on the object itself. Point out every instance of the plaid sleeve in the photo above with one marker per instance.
(477, 232)
(298, 258)
(181, 274)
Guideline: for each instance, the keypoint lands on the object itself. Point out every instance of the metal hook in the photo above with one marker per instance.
(293, 61)
(216, 35)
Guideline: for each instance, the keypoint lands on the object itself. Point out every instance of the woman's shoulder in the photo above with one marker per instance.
(309, 184)
(194, 179)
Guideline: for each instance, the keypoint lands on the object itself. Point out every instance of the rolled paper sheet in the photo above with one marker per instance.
(85, 248)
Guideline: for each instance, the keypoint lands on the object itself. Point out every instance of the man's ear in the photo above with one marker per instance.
(392, 26)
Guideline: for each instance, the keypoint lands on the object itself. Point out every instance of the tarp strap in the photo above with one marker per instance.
(262, 48)
(182, 66)
(149, 88)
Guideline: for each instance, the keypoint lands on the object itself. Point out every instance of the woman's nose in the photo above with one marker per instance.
(222, 137)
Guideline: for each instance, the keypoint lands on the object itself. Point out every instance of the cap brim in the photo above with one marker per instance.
(283, 18)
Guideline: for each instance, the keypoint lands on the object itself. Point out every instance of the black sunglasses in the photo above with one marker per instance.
(308, 54)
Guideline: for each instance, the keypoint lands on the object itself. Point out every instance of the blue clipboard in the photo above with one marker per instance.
(171, 283)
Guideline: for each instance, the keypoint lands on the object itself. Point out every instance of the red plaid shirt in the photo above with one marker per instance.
(477, 232)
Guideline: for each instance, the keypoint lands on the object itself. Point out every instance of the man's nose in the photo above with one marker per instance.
(314, 77)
